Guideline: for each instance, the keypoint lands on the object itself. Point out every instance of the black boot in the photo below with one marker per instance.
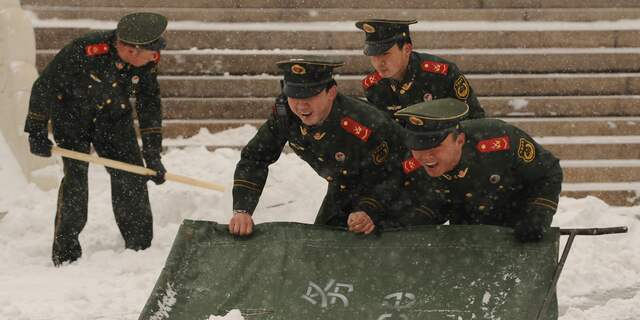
(65, 250)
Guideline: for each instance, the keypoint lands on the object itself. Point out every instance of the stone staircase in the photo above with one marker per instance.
(568, 73)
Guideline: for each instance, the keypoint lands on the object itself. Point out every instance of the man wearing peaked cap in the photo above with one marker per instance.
(351, 144)
(404, 77)
(305, 78)
(490, 171)
(89, 92)
(143, 30)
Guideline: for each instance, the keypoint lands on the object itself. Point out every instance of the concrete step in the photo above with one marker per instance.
(582, 126)
(613, 193)
(581, 171)
(409, 4)
(344, 35)
(445, 4)
(592, 147)
(564, 147)
(470, 61)
(550, 106)
(339, 14)
(484, 85)
(538, 127)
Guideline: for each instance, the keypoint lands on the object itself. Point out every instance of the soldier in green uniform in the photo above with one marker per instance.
(490, 172)
(404, 77)
(348, 142)
(89, 92)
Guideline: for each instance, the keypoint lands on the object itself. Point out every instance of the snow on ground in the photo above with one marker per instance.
(349, 26)
(601, 279)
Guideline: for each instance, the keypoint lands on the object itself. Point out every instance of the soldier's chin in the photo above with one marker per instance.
(308, 120)
(384, 73)
(433, 171)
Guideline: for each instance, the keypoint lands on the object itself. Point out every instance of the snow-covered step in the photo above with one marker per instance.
(544, 106)
(613, 193)
(227, 61)
(263, 14)
(582, 171)
(579, 126)
(54, 34)
(593, 147)
(484, 85)
(409, 4)
(574, 127)
(569, 148)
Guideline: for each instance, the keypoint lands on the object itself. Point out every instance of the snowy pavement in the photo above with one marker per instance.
(601, 279)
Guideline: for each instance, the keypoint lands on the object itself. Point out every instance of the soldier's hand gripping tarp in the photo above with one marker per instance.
(298, 271)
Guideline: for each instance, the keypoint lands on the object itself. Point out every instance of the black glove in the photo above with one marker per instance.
(532, 226)
(40, 145)
(156, 165)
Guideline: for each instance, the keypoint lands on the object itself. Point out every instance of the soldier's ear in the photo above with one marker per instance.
(407, 48)
(332, 92)
(461, 139)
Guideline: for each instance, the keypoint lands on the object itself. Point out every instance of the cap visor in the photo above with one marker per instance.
(301, 92)
(156, 45)
(377, 49)
(417, 141)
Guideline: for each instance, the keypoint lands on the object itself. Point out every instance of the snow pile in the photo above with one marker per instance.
(601, 278)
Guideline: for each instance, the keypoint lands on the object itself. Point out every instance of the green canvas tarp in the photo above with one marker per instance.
(300, 271)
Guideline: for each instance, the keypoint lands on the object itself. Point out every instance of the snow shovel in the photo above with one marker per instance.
(572, 233)
(133, 168)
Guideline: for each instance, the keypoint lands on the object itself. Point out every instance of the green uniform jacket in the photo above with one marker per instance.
(357, 149)
(87, 87)
(503, 174)
(428, 77)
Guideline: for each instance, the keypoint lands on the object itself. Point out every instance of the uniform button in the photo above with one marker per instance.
(99, 107)
(481, 207)
(320, 158)
(469, 195)
(59, 97)
(343, 187)
(329, 178)
(407, 183)
(344, 172)
(447, 191)
(122, 106)
(94, 119)
(90, 86)
(115, 84)
(437, 190)
(108, 101)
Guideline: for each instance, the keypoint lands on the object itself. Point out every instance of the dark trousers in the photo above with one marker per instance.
(129, 195)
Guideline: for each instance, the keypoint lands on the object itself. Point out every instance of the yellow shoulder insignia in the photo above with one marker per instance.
(461, 87)
(526, 150)
(381, 153)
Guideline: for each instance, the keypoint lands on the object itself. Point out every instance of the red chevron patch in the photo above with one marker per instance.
(371, 79)
(435, 67)
(355, 128)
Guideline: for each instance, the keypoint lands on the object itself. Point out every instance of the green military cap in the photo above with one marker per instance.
(304, 78)
(429, 123)
(382, 34)
(143, 30)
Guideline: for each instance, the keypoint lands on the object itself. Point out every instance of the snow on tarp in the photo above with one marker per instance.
(301, 271)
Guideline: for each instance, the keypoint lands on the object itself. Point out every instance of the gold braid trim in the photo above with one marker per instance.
(37, 116)
(426, 211)
(151, 130)
(544, 203)
(372, 202)
(246, 184)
